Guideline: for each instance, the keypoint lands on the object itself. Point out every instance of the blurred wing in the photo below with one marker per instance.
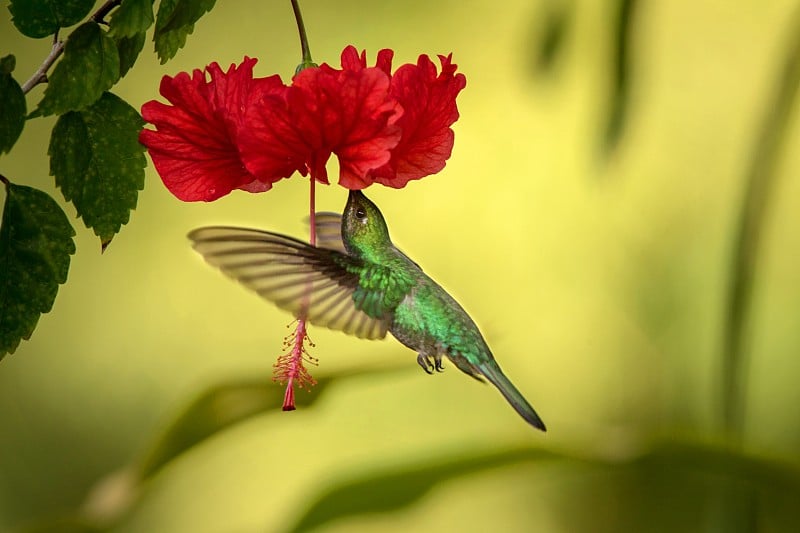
(329, 231)
(297, 277)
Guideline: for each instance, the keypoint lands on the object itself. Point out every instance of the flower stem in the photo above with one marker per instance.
(301, 28)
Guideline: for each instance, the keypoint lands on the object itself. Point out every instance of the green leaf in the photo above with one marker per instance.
(99, 164)
(129, 49)
(227, 404)
(558, 21)
(216, 409)
(8, 64)
(619, 98)
(70, 523)
(666, 472)
(12, 105)
(89, 67)
(392, 490)
(774, 142)
(131, 18)
(174, 22)
(35, 245)
(40, 18)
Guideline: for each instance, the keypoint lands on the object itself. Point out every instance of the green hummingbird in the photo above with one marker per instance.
(357, 281)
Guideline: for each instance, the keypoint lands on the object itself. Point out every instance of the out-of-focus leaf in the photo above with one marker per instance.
(550, 43)
(12, 105)
(129, 49)
(99, 164)
(222, 406)
(393, 490)
(40, 18)
(175, 21)
(396, 489)
(131, 18)
(65, 524)
(89, 67)
(760, 178)
(217, 409)
(35, 248)
(619, 99)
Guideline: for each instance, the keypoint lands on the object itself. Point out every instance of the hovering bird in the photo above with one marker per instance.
(356, 281)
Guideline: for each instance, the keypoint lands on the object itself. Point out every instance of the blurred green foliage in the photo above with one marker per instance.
(641, 305)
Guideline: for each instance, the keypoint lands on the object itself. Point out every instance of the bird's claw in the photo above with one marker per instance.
(424, 361)
(430, 363)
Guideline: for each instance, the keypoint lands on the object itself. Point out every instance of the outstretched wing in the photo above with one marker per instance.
(305, 280)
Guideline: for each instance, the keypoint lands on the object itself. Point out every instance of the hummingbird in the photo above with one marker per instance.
(357, 281)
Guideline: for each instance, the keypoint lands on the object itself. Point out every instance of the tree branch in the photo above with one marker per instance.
(40, 76)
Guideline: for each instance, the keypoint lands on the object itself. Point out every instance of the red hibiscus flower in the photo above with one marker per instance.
(235, 131)
(194, 149)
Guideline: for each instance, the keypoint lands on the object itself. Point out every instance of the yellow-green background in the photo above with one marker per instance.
(600, 284)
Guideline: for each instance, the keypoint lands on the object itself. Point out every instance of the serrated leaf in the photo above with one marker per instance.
(98, 163)
(12, 105)
(89, 67)
(40, 18)
(169, 42)
(131, 18)
(129, 49)
(174, 22)
(35, 245)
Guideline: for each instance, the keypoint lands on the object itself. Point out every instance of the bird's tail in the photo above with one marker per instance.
(493, 373)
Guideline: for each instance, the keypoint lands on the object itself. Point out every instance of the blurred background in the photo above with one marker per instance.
(619, 215)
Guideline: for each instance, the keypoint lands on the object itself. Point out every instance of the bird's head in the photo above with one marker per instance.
(363, 229)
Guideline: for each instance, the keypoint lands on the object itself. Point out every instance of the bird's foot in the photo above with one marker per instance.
(438, 366)
(425, 362)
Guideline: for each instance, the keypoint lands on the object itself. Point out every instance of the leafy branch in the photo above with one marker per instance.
(95, 157)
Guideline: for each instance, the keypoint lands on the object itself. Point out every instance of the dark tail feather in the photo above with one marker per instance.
(510, 392)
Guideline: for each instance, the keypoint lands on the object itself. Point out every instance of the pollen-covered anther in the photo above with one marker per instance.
(289, 368)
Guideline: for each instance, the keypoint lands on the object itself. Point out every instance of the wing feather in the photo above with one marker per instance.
(329, 231)
(302, 279)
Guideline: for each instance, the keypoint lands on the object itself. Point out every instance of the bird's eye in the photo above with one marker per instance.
(360, 213)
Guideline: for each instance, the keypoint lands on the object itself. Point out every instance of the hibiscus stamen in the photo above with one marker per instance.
(290, 368)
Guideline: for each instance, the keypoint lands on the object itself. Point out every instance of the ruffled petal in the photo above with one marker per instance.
(271, 146)
(429, 102)
(348, 112)
(194, 145)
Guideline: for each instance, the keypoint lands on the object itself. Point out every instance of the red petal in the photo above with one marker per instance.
(348, 112)
(351, 60)
(194, 147)
(429, 102)
(269, 143)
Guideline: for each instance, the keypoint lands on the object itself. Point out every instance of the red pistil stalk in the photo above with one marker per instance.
(289, 367)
